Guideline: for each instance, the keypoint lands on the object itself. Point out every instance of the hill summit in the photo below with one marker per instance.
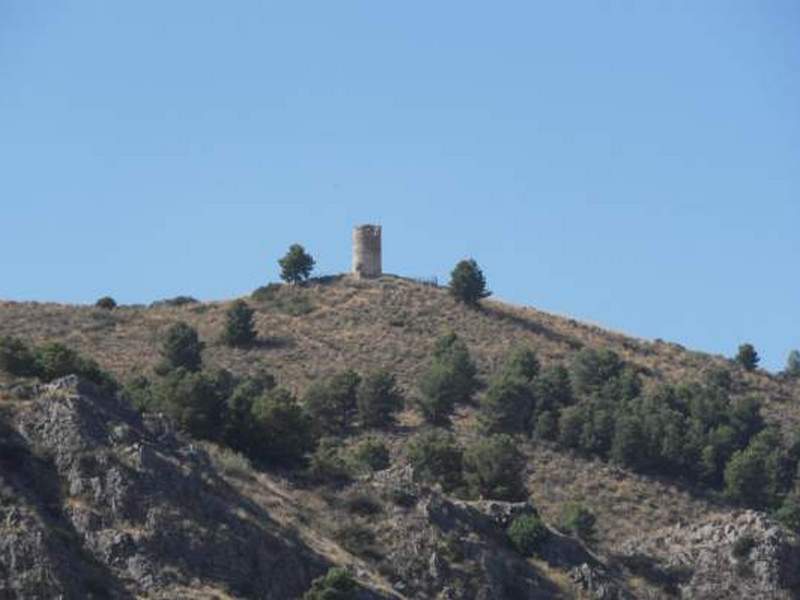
(403, 443)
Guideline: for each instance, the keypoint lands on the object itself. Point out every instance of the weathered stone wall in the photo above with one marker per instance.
(367, 251)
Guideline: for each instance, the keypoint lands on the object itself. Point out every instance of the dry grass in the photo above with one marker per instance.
(393, 323)
(625, 503)
(390, 322)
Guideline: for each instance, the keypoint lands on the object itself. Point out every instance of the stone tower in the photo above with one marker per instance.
(367, 251)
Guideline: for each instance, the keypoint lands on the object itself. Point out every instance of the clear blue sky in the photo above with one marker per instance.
(635, 164)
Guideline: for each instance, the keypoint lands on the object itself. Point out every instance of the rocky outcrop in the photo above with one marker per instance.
(451, 549)
(98, 503)
(738, 555)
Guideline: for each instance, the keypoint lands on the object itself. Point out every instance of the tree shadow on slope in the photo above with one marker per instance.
(531, 326)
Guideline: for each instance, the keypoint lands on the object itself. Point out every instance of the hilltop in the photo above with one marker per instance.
(311, 332)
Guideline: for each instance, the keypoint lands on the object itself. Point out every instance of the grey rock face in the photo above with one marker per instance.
(703, 560)
(458, 550)
(130, 509)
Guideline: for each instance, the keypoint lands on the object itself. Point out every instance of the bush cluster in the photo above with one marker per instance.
(451, 379)
(490, 467)
(250, 415)
(50, 361)
(265, 422)
(697, 431)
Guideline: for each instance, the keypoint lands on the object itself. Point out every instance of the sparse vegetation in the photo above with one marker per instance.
(193, 399)
(793, 365)
(493, 469)
(450, 379)
(436, 457)
(332, 402)
(742, 546)
(789, 512)
(527, 533)
(181, 348)
(378, 399)
(326, 464)
(508, 405)
(759, 474)
(575, 519)
(16, 358)
(651, 412)
(177, 301)
(239, 327)
(371, 454)
(336, 584)
(50, 361)
(747, 357)
(106, 303)
(285, 429)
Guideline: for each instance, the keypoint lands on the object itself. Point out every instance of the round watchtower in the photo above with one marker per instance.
(367, 251)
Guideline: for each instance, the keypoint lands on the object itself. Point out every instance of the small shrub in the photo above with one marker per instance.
(753, 476)
(523, 363)
(54, 360)
(363, 504)
(438, 394)
(579, 521)
(371, 454)
(507, 406)
(402, 496)
(266, 293)
(743, 545)
(527, 534)
(230, 462)
(450, 379)
(358, 540)
(193, 400)
(552, 388)
(177, 301)
(378, 399)
(452, 548)
(138, 391)
(182, 348)
(283, 428)
(593, 368)
(789, 513)
(435, 456)
(239, 327)
(106, 303)
(546, 427)
(326, 463)
(332, 402)
(493, 469)
(792, 369)
(16, 358)
(747, 357)
(336, 584)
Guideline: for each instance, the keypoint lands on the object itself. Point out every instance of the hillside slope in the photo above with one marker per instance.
(313, 331)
